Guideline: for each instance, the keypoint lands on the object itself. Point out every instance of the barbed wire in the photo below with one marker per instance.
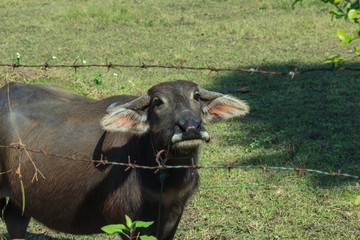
(20, 146)
(163, 166)
(109, 65)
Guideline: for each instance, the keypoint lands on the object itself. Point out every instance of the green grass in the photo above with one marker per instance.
(310, 121)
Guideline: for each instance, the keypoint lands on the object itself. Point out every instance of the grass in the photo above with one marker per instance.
(310, 121)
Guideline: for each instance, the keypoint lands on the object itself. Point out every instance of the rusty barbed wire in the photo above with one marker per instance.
(109, 65)
(163, 166)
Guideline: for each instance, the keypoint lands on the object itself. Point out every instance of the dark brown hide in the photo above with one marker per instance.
(80, 197)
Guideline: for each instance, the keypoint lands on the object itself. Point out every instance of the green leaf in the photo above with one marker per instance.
(341, 34)
(348, 195)
(129, 223)
(356, 32)
(333, 2)
(348, 39)
(295, 2)
(146, 237)
(337, 13)
(114, 228)
(343, 37)
(357, 51)
(335, 59)
(352, 13)
(357, 200)
(143, 224)
(347, 6)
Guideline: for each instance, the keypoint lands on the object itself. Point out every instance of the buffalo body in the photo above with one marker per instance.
(80, 197)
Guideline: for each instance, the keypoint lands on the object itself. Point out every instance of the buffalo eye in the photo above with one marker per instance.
(197, 96)
(156, 102)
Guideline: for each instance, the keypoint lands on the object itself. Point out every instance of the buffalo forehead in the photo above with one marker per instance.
(176, 88)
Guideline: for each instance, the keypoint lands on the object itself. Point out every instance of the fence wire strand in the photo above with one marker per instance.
(160, 166)
(109, 66)
(129, 165)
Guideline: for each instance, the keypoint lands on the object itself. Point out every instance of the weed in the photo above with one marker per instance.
(128, 230)
(310, 121)
(356, 199)
(97, 80)
(17, 58)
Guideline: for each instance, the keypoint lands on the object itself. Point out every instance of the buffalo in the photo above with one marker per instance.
(80, 197)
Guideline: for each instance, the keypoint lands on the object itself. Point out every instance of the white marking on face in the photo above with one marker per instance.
(177, 137)
(178, 142)
(205, 136)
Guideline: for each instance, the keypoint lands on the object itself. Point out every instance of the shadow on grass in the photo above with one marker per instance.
(36, 236)
(310, 121)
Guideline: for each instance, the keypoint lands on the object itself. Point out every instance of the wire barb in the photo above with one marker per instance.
(292, 74)
(252, 70)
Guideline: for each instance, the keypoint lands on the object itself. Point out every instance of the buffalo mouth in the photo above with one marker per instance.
(189, 139)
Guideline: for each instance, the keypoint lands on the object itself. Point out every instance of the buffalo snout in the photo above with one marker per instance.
(189, 133)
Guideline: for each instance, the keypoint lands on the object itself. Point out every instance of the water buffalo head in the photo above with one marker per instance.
(174, 113)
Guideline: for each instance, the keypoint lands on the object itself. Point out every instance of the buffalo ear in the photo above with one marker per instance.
(129, 117)
(220, 107)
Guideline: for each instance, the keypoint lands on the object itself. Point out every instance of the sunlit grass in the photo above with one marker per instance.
(310, 121)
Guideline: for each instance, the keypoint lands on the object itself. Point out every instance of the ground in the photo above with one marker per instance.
(309, 121)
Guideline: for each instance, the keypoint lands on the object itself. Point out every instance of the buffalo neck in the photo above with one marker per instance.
(139, 150)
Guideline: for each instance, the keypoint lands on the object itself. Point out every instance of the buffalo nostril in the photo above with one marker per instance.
(198, 124)
(182, 125)
(191, 125)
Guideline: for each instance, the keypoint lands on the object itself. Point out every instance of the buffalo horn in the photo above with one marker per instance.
(136, 104)
(209, 95)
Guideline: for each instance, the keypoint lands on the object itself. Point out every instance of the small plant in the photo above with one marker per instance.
(2, 237)
(17, 59)
(97, 80)
(129, 229)
(334, 59)
(347, 10)
(356, 199)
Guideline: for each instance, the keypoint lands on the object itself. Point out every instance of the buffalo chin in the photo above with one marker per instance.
(187, 144)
